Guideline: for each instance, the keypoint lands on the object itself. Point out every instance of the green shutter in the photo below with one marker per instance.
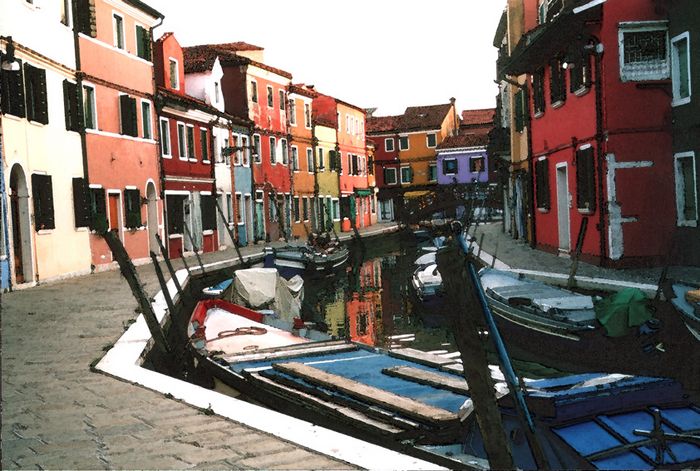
(98, 210)
(127, 106)
(132, 203)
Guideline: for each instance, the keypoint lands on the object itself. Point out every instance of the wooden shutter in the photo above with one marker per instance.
(98, 210)
(143, 43)
(37, 106)
(519, 111)
(42, 194)
(127, 106)
(542, 182)
(132, 206)
(85, 17)
(81, 202)
(13, 91)
(71, 101)
(585, 179)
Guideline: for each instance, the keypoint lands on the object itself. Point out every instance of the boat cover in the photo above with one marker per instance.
(425, 259)
(622, 310)
(264, 288)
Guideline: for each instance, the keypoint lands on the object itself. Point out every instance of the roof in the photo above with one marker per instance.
(237, 46)
(464, 140)
(478, 117)
(202, 57)
(145, 8)
(301, 89)
(379, 124)
(424, 117)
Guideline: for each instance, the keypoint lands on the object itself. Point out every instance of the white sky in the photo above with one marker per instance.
(387, 54)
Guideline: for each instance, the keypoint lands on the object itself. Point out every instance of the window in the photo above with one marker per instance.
(118, 29)
(521, 112)
(127, 115)
(542, 184)
(253, 91)
(333, 160)
(240, 205)
(432, 173)
(246, 150)
(165, 137)
(175, 213)
(35, 94)
(310, 159)
(13, 91)
(307, 115)
(296, 210)
(305, 208)
(207, 204)
(538, 90)
(143, 43)
(85, 20)
(270, 99)
(174, 74)
(580, 75)
(295, 158)
(272, 208)
(217, 92)
(686, 189)
(282, 99)
(347, 124)
(256, 148)
(81, 202)
(680, 68)
(585, 179)
(146, 128)
(181, 144)
(557, 82)
(98, 210)
(336, 209)
(293, 112)
(42, 196)
(226, 152)
(403, 143)
(355, 164)
(431, 140)
(643, 51)
(71, 105)
(190, 142)
(406, 174)
(390, 176)
(285, 151)
(132, 208)
(273, 150)
(476, 164)
(389, 144)
(89, 107)
(204, 143)
(321, 163)
(450, 166)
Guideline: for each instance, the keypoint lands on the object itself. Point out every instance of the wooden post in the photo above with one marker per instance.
(577, 252)
(195, 248)
(184, 262)
(495, 253)
(244, 263)
(163, 284)
(169, 265)
(129, 272)
(464, 317)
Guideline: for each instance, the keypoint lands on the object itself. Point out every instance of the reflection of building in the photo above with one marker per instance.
(364, 305)
(335, 316)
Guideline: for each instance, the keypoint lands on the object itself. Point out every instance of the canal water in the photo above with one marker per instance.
(371, 301)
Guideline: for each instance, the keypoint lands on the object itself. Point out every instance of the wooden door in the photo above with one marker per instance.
(114, 212)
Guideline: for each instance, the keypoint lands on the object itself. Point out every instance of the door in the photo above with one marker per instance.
(114, 212)
(563, 208)
(248, 218)
(259, 220)
(152, 199)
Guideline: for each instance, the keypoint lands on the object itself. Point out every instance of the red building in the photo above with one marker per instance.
(599, 119)
(185, 125)
(383, 132)
(364, 303)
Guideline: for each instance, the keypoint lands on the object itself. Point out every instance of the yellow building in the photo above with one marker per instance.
(326, 204)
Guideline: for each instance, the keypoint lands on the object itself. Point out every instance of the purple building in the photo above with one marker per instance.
(463, 159)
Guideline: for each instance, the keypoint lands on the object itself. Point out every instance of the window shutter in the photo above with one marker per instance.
(519, 111)
(143, 43)
(132, 203)
(71, 101)
(42, 194)
(542, 182)
(13, 91)
(585, 180)
(85, 17)
(128, 115)
(81, 202)
(41, 114)
(98, 210)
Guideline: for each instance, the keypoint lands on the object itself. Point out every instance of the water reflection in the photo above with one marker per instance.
(372, 302)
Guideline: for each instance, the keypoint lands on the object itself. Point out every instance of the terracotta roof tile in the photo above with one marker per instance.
(379, 124)
(465, 140)
(237, 46)
(424, 117)
(202, 54)
(199, 58)
(478, 117)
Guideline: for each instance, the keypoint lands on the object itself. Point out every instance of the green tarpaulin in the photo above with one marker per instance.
(622, 310)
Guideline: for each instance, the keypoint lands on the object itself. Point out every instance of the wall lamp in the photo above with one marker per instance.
(9, 63)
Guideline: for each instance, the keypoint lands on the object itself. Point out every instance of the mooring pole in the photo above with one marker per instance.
(131, 275)
(194, 248)
(163, 284)
(169, 265)
(464, 317)
(244, 263)
(184, 262)
(577, 252)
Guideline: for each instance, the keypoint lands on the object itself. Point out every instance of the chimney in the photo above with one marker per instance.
(454, 112)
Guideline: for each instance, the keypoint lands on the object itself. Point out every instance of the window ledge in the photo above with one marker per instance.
(82, 229)
(585, 211)
(538, 114)
(44, 231)
(687, 224)
(166, 156)
(175, 236)
(542, 210)
(682, 101)
(208, 232)
(208, 162)
(558, 104)
(581, 91)
(12, 117)
(192, 160)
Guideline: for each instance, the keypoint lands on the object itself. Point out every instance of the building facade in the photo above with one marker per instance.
(382, 131)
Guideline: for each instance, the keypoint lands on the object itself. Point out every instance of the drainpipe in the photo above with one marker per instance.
(3, 194)
(600, 144)
(531, 183)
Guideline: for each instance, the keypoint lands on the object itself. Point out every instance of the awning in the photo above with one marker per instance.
(363, 192)
(416, 194)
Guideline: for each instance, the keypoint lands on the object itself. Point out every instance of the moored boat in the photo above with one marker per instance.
(297, 259)
(687, 303)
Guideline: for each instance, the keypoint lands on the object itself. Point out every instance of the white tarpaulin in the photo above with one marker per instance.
(264, 288)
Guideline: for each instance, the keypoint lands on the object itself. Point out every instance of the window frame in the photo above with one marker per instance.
(292, 112)
(245, 143)
(257, 149)
(307, 115)
(449, 162)
(253, 90)
(675, 69)
(118, 31)
(191, 152)
(284, 149)
(393, 170)
(627, 75)
(163, 140)
(174, 77)
(410, 174)
(408, 143)
(427, 140)
(146, 132)
(387, 141)
(295, 158)
(270, 96)
(681, 221)
(273, 149)
(204, 145)
(181, 141)
(93, 109)
(432, 171)
(310, 163)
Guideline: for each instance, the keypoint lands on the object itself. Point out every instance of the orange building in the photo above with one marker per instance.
(116, 81)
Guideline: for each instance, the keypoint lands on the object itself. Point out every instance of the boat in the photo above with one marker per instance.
(687, 303)
(294, 260)
(218, 289)
(427, 284)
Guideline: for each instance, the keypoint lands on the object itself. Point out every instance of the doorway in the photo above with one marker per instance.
(152, 198)
(563, 208)
(21, 226)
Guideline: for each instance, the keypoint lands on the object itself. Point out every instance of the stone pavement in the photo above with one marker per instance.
(57, 414)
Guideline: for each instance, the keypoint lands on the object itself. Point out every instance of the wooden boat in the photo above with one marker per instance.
(427, 284)
(217, 325)
(687, 303)
(296, 259)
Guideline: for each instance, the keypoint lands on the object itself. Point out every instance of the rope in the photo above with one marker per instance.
(239, 331)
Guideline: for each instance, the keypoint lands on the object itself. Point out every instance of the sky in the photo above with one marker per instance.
(384, 54)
